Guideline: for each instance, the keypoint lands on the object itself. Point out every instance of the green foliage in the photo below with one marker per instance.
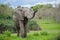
(50, 29)
(5, 12)
(44, 33)
(6, 25)
(33, 25)
(58, 37)
(36, 34)
(38, 6)
(32, 22)
(7, 33)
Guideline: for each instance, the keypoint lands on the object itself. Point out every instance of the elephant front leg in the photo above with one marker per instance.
(17, 28)
(22, 29)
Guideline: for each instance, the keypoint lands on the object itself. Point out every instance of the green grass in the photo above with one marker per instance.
(48, 25)
(49, 32)
(30, 36)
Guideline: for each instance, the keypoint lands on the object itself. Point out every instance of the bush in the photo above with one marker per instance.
(36, 34)
(1, 27)
(44, 33)
(7, 33)
(6, 25)
(58, 37)
(33, 25)
(4, 37)
(9, 17)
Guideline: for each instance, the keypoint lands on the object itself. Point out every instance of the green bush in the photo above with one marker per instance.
(36, 34)
(6, 25)
(9, 17)
(58, 36)
(32, 22)
(4, 37)
(1, 37)
(33, 25)
(44, 33)
(7, 33)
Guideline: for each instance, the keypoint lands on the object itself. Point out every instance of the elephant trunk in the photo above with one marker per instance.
(34, 13)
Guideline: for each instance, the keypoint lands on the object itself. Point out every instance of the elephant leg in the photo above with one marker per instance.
(17, 27)
(22, 29)
(25, 24)
(18, 31)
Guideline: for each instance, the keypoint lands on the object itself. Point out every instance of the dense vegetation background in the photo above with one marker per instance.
(44, 26)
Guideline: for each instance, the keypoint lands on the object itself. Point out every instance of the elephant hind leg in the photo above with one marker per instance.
(18, 31)
(17, 27)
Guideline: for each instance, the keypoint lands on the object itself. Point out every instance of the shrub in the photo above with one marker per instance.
(1, 37)
(33, 25)
(44, 33)
(9, 17)
(36, 34)
(1, 27)
(4, 37)
(58, 37)
(7, 33)
(6, 26)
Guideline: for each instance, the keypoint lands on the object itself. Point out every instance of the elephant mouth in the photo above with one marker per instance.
(25, 20)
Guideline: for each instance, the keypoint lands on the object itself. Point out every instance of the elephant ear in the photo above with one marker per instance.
(29, 13)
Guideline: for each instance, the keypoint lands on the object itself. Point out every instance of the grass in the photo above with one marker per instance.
(49, 32)
(37, 36)
(48, 25)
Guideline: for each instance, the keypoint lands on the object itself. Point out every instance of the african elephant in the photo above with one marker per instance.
(20, 17)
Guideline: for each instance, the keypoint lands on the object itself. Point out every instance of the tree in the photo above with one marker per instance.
(36, 7)
(5, 11)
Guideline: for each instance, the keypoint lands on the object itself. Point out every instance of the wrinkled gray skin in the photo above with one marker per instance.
(20, 17)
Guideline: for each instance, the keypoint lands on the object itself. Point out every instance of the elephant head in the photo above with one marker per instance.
(25, 12)
(29, 13)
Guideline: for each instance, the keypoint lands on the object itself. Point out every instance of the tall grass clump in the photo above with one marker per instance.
(36, 34)
(44, 33)
(6, 35)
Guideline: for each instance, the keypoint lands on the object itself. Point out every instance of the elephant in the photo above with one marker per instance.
(20, 17)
